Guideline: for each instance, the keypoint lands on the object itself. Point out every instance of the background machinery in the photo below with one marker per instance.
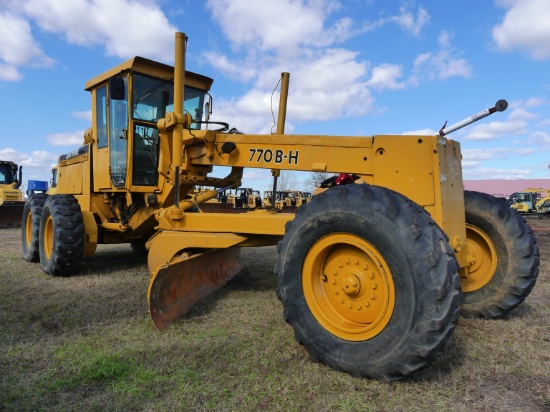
(529, 200)
(286, 199)
(372, 277)
(11, 197)
(36, 186)
(244, 197)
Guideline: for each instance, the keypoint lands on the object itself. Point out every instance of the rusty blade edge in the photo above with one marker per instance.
(208, 272)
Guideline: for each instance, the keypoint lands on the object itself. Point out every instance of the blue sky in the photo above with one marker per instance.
(358, 67)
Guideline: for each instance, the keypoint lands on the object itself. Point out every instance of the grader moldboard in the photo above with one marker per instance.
(372, 277)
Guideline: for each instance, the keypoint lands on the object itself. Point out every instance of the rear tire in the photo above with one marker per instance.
(61, 236)
(368, 281)
(506, 257)
(30, 226)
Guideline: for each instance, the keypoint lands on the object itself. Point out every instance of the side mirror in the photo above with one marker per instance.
(116, 88)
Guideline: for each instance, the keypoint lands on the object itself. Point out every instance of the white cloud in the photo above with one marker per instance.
(40, 159)
(37, 159)
(257, 174)
(66, 139)
(386, 76)
(85, 115)
(442, 64)
(484, 154)
(117, 25)
(327, 87)
(325, 81)
(250, 113)
(493, 173)
(524, 27)
(407, 21)
(521, 114)
(124, 27)
(524, 151)
(540, 139)
(9, 73)
(12, 155)
(331, 84)
(278, 25)
(495, 130)
(469, 164)
(18, 48)
(233, 69)
(535, 102)
(421, 132)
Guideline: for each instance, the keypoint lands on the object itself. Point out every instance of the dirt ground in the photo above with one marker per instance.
(541, 228)
(87, 343)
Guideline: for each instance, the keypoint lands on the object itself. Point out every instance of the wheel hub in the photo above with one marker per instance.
(348, 286)
(482, 259)
(353, 289)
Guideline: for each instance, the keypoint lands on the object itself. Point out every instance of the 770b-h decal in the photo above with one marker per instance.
(277, 156)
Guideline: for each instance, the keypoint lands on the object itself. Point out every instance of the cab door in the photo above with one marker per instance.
(118, 136)
(111, 128)
(101, 177)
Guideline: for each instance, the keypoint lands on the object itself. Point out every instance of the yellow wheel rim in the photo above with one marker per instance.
(48, 237)
(482, 259)
(28, 230)
(348, 286)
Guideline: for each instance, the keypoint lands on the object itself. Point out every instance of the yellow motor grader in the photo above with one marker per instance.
(11, 196)
(372, 277)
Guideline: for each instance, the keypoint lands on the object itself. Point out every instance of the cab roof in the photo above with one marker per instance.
(150, 68)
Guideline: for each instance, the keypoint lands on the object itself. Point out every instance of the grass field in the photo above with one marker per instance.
(87, 343)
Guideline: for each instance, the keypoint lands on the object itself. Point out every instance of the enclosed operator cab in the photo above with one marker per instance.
(11, 197)
(118, 169)
(128, 101)
(10, 181)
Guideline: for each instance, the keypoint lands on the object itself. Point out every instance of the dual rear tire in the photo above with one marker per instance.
(370, 285)
(30, 226)
(53, 233)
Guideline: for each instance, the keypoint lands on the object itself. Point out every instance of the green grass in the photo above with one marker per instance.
(86, 343)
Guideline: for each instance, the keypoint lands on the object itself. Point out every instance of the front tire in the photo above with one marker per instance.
(61, 236)
(504, 254)
(30, 226)
(368, 281)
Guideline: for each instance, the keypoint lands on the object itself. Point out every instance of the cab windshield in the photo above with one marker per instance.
(153, 98)
(7, 174)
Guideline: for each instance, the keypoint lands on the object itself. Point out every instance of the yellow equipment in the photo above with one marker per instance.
(11, 197)
(294, 198)
(245, 197)
(267, 200)
(369, 274)
(528, 200)
(286, 199)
